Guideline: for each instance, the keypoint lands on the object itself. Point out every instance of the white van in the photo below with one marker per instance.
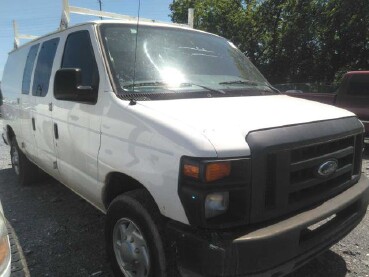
(202, 168)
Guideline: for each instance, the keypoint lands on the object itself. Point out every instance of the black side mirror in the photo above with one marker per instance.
(67, 86)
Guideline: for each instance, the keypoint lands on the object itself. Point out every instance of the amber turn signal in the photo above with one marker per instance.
(216, 171)
(190, 170)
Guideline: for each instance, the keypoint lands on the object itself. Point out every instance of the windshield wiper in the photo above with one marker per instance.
(146, 84)
(204, 87)
(250, 83)
(240, 82)
(156, 84)
(165, 85)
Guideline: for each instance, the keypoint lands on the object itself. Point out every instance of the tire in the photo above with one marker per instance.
(137, 211)
(26, 171)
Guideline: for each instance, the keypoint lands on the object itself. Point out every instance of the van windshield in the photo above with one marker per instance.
(177, 61)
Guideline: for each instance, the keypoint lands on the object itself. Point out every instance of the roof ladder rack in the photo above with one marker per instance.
(67, 10)
(18, 36)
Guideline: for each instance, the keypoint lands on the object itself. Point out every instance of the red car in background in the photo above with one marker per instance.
(352, 95)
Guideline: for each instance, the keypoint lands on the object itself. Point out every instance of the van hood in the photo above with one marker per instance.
(226, 121)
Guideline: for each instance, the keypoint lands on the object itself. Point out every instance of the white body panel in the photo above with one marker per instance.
(11, 87)
(227, 121)
(148, 147)
(44, 133)
(79, 134)
(25, 103)
(144, 141)
(149, 138)
(29, 136)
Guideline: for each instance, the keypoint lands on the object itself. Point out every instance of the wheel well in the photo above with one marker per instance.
(10, 133)
(118, 183)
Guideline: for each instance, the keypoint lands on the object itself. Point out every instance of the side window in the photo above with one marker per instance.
(359, 85)
(44, 65)
(78, 53)
(27, 73)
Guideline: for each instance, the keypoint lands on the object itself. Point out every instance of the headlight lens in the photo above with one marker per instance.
(216, 204)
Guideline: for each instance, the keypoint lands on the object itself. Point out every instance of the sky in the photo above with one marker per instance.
(39, 17)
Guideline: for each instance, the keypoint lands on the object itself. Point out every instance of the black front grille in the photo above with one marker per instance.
(304, 186)
(312, 151)
(286, 161)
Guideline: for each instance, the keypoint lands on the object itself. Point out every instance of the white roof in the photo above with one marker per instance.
(144, 23)
(119, 21)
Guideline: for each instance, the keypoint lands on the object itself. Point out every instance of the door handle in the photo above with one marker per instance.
(33, 124)
(56, 131)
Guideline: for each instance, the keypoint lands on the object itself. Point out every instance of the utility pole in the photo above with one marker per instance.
(100, 5)
(191, 15)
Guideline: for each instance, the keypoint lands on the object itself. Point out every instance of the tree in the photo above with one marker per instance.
(223, 17)
(289, 40)
(345, 36)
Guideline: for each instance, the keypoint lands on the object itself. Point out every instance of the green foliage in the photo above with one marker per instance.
(289, 40)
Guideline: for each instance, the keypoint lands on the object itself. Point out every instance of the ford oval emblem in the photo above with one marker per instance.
(328, 168)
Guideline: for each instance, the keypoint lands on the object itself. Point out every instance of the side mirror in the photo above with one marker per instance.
(67, 86)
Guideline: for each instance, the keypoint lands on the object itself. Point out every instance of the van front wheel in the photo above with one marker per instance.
(134, 236)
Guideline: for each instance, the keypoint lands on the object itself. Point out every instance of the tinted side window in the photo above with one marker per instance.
(43, 68)
(78, 53)
(27, 73)
(359, 85)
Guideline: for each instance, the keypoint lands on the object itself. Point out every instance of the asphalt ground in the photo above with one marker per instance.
(62, 235)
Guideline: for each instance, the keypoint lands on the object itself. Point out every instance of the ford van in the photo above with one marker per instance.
(201, 167)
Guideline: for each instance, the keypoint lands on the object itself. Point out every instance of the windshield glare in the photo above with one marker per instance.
(178, 60)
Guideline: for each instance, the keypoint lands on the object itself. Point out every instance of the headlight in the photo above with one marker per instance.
(216, 204)
(4, 245)
(215, 192)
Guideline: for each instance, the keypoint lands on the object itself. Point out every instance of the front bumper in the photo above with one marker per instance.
(276, 248)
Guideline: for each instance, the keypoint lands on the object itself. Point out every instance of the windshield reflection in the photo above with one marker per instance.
(177, 59)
